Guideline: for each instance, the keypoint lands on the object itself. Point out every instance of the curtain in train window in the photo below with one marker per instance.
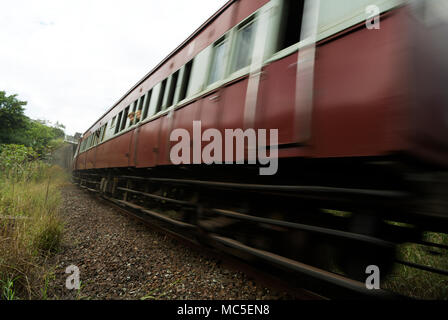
(243, 46)
(218, 65)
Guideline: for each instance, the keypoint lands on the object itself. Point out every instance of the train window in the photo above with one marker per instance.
(243, 46)
(125, 118)
(138, 116)
(117, 127)
(98, 134)
(218, 67)
(103, 132)
(132, 114)
(161, 96)
(291, 24)
(172, 89)
(185, 80)
(113, 122)
(95, 138)
(148, 100)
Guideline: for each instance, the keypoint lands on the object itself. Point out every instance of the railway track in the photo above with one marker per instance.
(186, 227)
(238, 265)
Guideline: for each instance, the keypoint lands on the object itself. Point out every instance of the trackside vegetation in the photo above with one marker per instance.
(420, 284)
(30, 226)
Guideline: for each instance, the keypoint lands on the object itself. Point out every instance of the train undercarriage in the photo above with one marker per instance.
(317, 220)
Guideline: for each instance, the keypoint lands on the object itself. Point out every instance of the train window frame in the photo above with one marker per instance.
(98, 135)
(95, 138)
(186, 77)
(310, 32)
(125, 119)
(199, 73)
(173, 84)
(141, 101)
(223, 41)
(134, 109)
(117, 126)
(290, 20)
(147, 103)
(103, 134)
(112, 125)
(250, 21)
(161, 95)
(89, 142)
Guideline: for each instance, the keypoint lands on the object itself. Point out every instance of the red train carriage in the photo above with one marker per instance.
(362, 123)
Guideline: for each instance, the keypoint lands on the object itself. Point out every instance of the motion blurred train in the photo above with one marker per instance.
(358, 92)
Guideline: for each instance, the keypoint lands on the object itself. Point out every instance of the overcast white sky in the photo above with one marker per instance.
(73, 59)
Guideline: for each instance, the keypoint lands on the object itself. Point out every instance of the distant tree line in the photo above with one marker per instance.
(16, 128)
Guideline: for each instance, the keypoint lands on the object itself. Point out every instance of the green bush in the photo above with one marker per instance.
(48, 237)
(16, 160)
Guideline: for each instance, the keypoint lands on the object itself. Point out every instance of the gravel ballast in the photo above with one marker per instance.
(121, 258)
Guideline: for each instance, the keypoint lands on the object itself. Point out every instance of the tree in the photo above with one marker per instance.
(12, 117)
(16, 128)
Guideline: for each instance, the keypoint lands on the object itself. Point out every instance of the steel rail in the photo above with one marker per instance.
(432, 244)
(423, 267)
(292, 225)
(331, 278)
(287, 188)
(152, 213)
(150, 195)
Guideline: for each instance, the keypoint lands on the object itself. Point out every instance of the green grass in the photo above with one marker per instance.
(7, 286)
(30, 229)
(418, 283)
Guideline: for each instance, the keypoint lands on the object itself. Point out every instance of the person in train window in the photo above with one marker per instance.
(131, 116)
(138, 115)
